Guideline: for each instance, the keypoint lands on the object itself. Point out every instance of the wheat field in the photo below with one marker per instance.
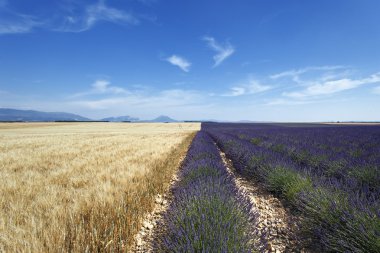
(76, 187)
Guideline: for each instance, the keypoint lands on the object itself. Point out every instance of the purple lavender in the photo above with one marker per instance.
(330, 174)
(208, 213)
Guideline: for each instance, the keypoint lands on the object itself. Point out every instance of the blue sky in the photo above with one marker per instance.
(263, 60)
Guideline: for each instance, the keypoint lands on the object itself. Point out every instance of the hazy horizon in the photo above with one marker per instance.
(282, 61)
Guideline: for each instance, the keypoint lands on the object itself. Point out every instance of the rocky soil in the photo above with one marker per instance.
(153, 222)
(277, 229)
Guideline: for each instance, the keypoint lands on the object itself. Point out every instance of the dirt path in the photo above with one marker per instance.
(153, 222)
(277, 228)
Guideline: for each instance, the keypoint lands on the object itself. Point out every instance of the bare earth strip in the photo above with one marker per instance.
(153, 222)
(83, 186)
(153, 226)
(275, 231)
(277, 228)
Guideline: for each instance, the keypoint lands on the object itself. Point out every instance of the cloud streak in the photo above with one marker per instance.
(223, 51)
(75, 18)
(249, 88)
(100, 87)
(180, 62)
(333, 86)
(13, 23)
(281, 101)
(163, 99)
(94, 14)
(296, 72)
(103, 95)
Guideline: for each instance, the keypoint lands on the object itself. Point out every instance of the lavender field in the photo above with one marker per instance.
(326, 178)
(208, 214)
(329, 175)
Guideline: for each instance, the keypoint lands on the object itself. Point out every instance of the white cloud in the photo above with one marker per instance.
(101, 86)
(76, 18)
(179, 62)
(318, 81)
(92, 15)
(251, 87)
(103, 95)
(376, 90)
(223, 52)
(281, 101)
(162, 99)
(297, 72)
(236, 91)
(13, 23)
(104, 86)
(333, 86)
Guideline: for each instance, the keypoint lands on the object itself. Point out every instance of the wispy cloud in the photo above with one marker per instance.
(104, 86)
(296, 72)
(94, 14)
(252, 86)
(180, 62)
(13, 23)
(281, 101)
(333, 86)
(162, 99)
(75, 18)
(101, 86)
(223, 51)
(103, 95)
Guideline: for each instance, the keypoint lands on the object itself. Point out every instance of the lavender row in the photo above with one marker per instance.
(353, 147)
(349, 155)
(340, 220)
(208, 213)
(356, 144)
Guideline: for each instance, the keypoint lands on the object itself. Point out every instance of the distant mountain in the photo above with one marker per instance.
(7, 114)
(120, 119)
(163, 118)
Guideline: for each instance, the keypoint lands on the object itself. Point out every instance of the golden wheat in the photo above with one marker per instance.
(83, 186)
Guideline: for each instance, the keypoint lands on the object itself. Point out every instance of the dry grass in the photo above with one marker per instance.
(85, 186)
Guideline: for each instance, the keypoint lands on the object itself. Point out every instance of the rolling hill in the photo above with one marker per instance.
(7, 114)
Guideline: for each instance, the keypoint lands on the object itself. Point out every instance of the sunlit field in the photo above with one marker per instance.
(83, 186)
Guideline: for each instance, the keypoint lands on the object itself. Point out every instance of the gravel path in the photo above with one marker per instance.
(277, 228)
(153, 222)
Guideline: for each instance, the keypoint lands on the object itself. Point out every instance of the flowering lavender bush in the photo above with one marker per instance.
(343, 153)
(330, 174)
(208, 213)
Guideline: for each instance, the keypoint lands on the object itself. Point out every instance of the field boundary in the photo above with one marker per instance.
(149, 225)
(208, 212)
